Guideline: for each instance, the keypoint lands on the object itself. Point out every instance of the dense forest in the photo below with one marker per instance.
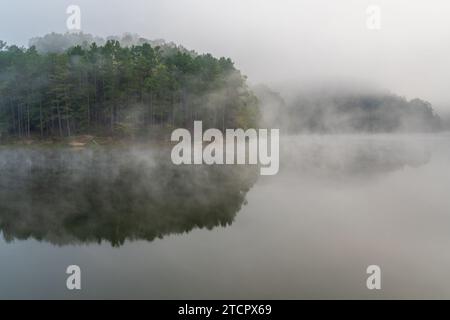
(53, 89)
(70, 84)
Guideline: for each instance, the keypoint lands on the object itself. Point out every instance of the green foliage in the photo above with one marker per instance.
(111, 89)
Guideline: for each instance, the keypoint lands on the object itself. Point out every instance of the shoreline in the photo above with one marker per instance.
(81, 142)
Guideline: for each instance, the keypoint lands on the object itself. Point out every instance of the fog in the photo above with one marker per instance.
(282, 43)
(363, 173)
(74, 196)
(338, 204)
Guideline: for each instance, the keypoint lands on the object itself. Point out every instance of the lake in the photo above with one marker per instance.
(140, 227)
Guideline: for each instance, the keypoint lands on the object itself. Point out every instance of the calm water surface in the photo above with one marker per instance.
(140, 227)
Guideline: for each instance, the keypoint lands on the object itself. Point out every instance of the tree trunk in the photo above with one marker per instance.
(40, 118)
(59, 119)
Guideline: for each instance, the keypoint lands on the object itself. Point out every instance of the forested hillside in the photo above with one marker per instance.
(116, 89)
(352, 111)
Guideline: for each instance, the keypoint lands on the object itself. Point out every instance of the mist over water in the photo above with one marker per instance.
(70, 196)
(144, 228)
(364, 179)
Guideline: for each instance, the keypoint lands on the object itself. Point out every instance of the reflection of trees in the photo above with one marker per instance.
(88, 196)
(352, 156)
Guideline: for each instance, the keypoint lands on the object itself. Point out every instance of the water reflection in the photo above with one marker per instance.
(337, 205)
(84, 196)
(68, 196)
(352, 156)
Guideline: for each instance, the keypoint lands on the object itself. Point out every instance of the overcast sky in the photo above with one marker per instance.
(275, 41)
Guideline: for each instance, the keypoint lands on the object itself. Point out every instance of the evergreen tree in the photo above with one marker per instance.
(116, 90)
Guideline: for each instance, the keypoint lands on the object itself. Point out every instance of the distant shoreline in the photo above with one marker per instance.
(89, 141)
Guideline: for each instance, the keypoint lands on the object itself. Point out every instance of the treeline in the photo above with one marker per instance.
(349, 110)
(58, 43)
(118, 90)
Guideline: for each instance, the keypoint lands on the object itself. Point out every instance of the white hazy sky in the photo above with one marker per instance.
(275, 41)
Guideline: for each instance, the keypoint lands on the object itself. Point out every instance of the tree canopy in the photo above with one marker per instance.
(119, 89)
